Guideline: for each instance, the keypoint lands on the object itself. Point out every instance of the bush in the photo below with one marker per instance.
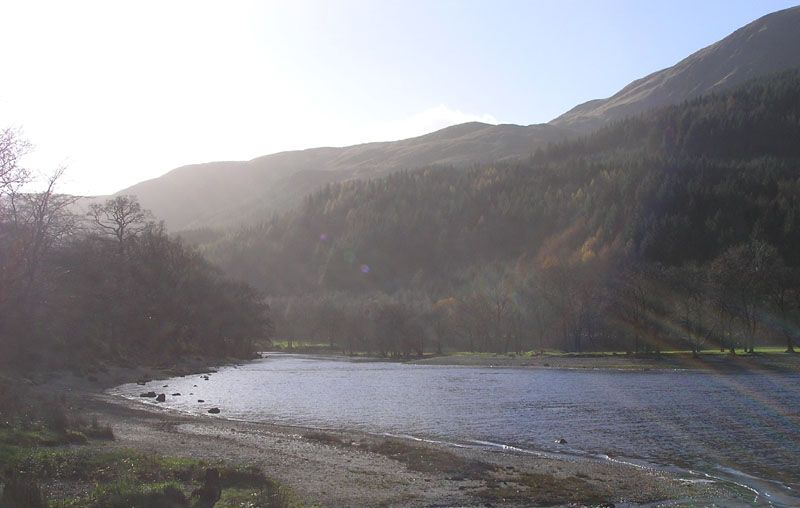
(125, 495)
(55, 418)
(97, 431)
(241, 477)
(19, 492)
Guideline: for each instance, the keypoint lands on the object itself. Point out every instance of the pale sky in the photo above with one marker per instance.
(125, 91)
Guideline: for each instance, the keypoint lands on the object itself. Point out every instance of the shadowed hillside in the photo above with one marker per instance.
(678, 228)
(678, 185)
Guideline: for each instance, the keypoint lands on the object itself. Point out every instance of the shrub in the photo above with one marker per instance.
(20, 492)
(55, 418)
(126, 495)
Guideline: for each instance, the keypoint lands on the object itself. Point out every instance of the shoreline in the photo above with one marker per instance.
(351, 468)
(725, 363)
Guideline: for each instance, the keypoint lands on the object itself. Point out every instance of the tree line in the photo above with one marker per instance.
(109, 284)
(744, 297)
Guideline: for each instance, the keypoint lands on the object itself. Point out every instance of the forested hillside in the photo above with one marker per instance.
(707, 187)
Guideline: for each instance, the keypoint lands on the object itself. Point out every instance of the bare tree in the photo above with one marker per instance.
(691, 297)
(43, 220)
(398, 328)
(443, 316)
(473, 317)
(575, 295)
(634, 293)
(12, 176)
(784, 298)
(12, 149)
(121, 217)
(34, 225)
(535, 309)
(742, 275)
(499, 294)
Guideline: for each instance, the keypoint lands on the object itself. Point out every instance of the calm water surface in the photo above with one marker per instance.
(744, 427)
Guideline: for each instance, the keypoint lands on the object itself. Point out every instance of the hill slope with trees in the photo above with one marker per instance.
(222, 195)
(227, 194)
(657, 199)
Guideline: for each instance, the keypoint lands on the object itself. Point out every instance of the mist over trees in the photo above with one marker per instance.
(677, 228)
(111, 285)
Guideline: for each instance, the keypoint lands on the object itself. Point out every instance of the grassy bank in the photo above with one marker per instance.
(767, 358)
(766, 361)
(52, 457)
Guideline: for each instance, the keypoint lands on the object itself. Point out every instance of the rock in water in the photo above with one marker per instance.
(148, 394)
(161, 397)
(214, 410)
(561, 441)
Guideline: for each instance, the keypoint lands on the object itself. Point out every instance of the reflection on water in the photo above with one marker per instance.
(737, 424)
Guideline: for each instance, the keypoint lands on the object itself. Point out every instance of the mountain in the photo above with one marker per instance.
(227, 194)
(678, 185)
(230, 193)
(768, 45)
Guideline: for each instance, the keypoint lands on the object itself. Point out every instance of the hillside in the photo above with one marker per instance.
(674, 229)
(230, 193)
(767, 45)
(678, 185)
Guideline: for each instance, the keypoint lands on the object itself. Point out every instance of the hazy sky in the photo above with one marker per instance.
(124, 91)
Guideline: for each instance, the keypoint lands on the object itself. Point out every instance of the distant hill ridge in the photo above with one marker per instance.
(765, 46)
(227, 194)
(231, 192)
